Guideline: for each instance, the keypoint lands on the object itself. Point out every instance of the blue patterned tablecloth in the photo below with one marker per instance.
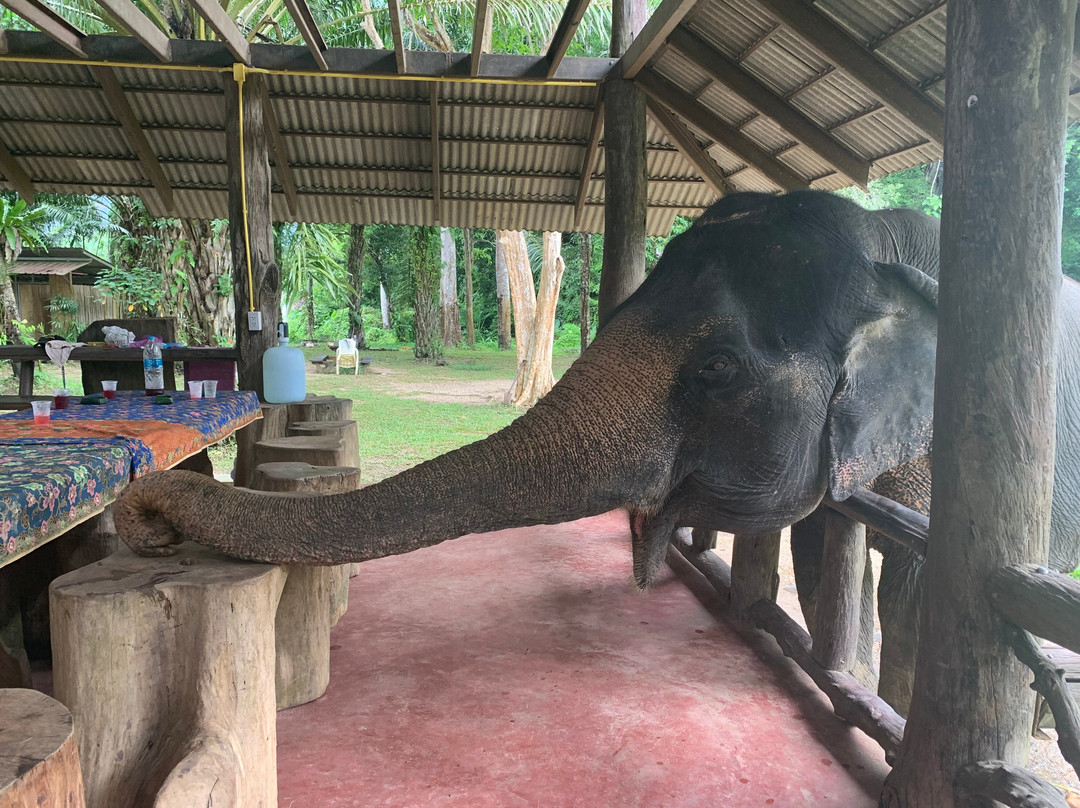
(53, 477)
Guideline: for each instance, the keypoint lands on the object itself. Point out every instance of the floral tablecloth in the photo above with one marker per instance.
(54, 476)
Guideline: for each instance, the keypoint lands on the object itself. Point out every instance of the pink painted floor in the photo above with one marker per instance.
(524, 669)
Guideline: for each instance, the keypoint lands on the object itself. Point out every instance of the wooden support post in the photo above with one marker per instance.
(625, 172)
(263, 276)
(755, 563)
(39, 757)
(1007, 84)
(839, 594)
(703, 539)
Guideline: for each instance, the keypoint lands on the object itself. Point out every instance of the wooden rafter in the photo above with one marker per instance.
(564, 33)
(136, 138)
(49, 23)
(309, 30)
(436, 182)
(277, 149)
(758, 94)
(645, 45)
(394, 7)
(686, 106)
(859, 63)
(16, 175)
(128, 15)
(908, 24)
(690, 148)
(225, 27)
(592, 148)
(481, 27)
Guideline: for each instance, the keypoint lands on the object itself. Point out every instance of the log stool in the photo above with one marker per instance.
(318, 451)
(166, 664)
(275, 419)
(314, 598)
(345, 430)
(39, 757)
(320, 408)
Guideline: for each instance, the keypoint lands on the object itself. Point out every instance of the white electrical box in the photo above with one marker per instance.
(254, 321)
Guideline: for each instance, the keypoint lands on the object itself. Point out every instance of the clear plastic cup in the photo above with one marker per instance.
(61, 398)
(41, 411)
(109, 389)
(209, 388)
(195, 389)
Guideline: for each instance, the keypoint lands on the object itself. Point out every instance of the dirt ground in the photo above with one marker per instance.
(1046, 759)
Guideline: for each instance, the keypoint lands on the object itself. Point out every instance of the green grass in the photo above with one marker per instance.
(1076, 573)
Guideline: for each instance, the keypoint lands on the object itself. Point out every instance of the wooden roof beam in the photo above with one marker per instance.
(16, 175)
(436, 182)
(690, 148)
(592, 148)
(49, 23)
(136, 138)
(309, 30)
(564, 34)
(686, 106)
(277, 149)
(128, 15)
(652, 37)
(758, 94)
(859, 63)
(481, 33)
(225, 27)
(394, 7)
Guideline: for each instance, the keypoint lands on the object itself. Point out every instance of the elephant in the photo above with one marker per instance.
(781, 350)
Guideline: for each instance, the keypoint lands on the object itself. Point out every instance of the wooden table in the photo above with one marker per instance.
(27, 355)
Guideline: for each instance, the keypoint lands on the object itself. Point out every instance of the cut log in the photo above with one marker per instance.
(39, 756)
(316, 451)
(755, 562)
(304, 477)
(274, 421)
(320, 408)
(180, 648)
(346, 430)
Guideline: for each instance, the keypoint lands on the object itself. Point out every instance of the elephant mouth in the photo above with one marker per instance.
(650, 534)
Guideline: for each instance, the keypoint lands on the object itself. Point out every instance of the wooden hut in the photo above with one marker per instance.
(39, 276)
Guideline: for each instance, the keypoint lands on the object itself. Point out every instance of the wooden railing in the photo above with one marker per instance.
(1032, 600)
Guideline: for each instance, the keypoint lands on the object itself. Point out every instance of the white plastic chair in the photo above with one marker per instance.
(348, 356)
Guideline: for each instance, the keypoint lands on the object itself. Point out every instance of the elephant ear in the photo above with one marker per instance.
(881, 412)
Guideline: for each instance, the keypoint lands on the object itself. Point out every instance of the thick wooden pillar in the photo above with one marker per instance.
(265, 277)
(625, 185)
(1007, 79)
(839, 594)
(755, 561)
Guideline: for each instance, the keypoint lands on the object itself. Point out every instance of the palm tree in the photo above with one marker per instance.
(19, 227)
(310, 256)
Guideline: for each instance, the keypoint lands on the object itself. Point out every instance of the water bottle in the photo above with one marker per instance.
(283, 371)
(153, 371)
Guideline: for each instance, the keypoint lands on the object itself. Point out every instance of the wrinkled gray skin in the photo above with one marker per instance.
(782, 349)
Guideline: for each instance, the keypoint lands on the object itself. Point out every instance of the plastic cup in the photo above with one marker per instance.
(41, 411)
(109, 389)
(61, 398)
(195, 389)
(209, 387)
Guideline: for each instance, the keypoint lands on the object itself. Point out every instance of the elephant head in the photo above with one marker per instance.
(781, 350)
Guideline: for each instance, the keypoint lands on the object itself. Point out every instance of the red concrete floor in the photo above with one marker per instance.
(524, 669)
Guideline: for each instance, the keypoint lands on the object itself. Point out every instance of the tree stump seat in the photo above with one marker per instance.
(319, 450)
(343, 429)
(314, 598)
(167, 666)
(39, 755)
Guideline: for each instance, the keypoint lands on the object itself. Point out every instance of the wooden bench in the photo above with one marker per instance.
(323, 360)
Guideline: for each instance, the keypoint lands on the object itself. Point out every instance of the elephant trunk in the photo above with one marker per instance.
(603, 438)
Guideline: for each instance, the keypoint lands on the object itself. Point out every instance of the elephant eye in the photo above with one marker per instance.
(718, 369)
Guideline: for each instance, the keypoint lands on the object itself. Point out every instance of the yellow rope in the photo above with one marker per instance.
(239, 74)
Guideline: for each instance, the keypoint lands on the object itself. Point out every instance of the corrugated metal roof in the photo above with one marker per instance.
(59, 267)
(510, 152)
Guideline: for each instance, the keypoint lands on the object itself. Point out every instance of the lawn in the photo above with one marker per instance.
(406, 411)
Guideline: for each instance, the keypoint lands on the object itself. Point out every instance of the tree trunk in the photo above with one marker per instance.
(355, 264)
(384, 306)
(586, 288)
(522, 293)
(309, 307)
(209, 312)
(1006, 98)
(9, 310)
(534, 374)
(448, 302)
(467, 243)
(502, 294)
(425, 276)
